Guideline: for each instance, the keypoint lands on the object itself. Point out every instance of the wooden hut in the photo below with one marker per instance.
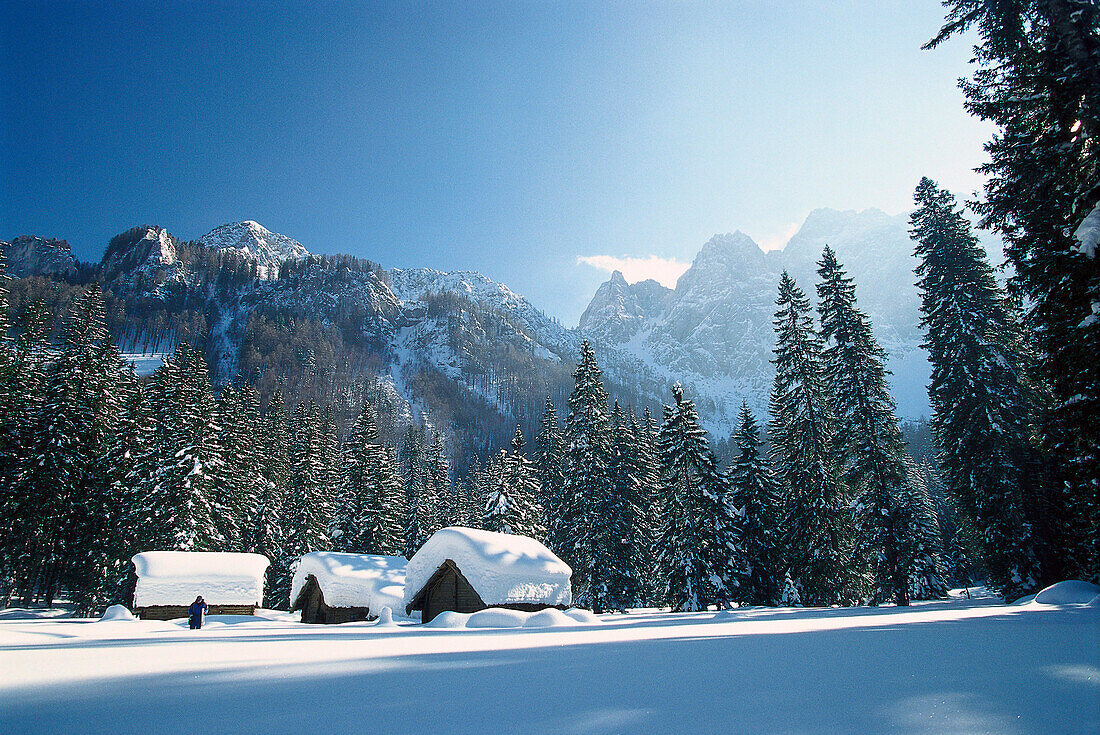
(169, 581)
(465, 570)
(330, 587)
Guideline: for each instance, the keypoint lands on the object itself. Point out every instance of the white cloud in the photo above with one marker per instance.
(663, 270)
(778, 240)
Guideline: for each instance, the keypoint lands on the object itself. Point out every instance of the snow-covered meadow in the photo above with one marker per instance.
(942, 667)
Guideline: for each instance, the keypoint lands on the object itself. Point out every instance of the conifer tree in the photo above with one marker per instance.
(756, 495)
(1038, 80)
(418, 500)
(624, 518)
(548, 467)
(60, 479)
(580, 539)
(698, 551)
(816, 518)
(648, 528)
(980, 403)
(181, 476)
(867, 440)
(306, 510)
(372, 509)
(512, 504)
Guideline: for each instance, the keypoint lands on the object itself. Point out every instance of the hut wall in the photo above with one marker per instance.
(172, 612)
(311, 601)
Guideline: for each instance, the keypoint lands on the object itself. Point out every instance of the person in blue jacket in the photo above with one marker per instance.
(197, 612)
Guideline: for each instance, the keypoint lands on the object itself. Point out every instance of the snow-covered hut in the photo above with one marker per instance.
(169, 581)
(466, 570)
(330, 587)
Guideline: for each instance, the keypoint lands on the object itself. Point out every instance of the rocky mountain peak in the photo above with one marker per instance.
(253, 240)
(145, 249)
(29, 255)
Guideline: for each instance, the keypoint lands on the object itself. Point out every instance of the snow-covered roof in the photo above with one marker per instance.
(501, 567)
(177, 577)
(353, 580)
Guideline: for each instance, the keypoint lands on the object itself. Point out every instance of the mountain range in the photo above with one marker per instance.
(463, 346)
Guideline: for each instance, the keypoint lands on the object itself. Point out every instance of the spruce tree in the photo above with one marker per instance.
(306, 510)
(624, 518)
(980, 402)
(646, 533)
(182, 475)
(867, 439)
(756, 495)
(372, 508)
(580, 539)
(698, 553)
(548, 467)
(816, 518)
(1038, 81)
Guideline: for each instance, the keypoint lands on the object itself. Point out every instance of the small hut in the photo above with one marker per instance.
(466, 570)
(330, 587)
(169, 581)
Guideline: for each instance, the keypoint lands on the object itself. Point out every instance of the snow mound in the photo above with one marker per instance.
(353, 580)
(448, 619)
(497, 617)
(581, 615)
(117, 612)
(177, 577)
(502, 568)
(1070, 592)
(385, 619)
(548, 618)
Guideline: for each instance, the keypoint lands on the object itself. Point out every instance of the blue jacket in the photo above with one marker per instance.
(197, 609)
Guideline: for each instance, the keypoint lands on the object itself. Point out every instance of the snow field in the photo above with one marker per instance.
(943, 667)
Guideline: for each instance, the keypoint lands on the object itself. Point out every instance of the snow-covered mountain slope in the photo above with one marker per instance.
(714, 333)
(256, 242)
(28, 255)
(146, 256)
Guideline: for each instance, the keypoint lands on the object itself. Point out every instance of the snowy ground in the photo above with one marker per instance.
(945, 667)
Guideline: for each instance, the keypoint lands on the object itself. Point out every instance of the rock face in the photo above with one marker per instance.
(28, 255)
(147, 252)
(256, 242)
(714, 333)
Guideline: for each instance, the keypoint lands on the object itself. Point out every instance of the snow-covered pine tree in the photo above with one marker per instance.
(623, 518)
(756, 495)
(443, 510)
(548, 467)
(580, 539)
(60, 483)
(182, 475)
(306, 511)
(921, 545)
(30, 354)
(417, 489)
(372, 509)
(867, 439)
(1038, 80)
(698, 551)
(980, 403)
(129, 440)
(816, 519)
(512, 504)
(646, 532)
(264, 532)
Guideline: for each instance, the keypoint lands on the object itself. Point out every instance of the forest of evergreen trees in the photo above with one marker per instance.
(827, 508)
(820, 504)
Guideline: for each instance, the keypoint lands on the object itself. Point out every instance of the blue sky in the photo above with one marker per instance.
(512, 138)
